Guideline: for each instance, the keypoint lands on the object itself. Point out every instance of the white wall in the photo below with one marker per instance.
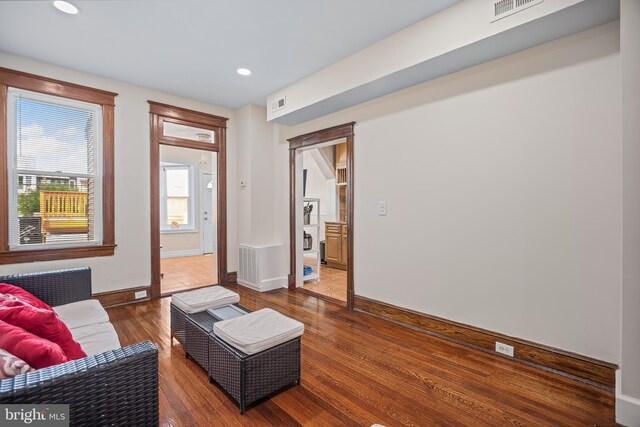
(244, 137)
(262, 177)
(256, 169)
(628, 403)
(504, 194)
(130, 266)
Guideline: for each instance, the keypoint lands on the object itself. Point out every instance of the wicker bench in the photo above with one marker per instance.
(117, 387)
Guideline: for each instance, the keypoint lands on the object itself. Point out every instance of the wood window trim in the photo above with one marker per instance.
(303, 141)
(189, 117)
(21, 80)
(188, 143)
(158, 114)
(32, 82)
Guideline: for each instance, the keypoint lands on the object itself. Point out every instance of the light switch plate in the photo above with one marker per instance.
(382, 208)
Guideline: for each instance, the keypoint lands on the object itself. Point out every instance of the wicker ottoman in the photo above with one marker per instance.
(185, 303)
(250, 375)
(198, 326)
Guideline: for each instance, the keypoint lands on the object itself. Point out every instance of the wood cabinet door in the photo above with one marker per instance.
(341, 155)
(332, 248)
(343, 251)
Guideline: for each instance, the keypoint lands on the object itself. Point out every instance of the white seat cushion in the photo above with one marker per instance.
(201, 299)
(97, 338)
(258, 331)
(82, 313)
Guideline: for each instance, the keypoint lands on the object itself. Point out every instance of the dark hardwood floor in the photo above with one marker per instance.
(359, 370)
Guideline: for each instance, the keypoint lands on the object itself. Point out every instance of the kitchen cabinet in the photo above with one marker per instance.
(341, 164)
(336, 245)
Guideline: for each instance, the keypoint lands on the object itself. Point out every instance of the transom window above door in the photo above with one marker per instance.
(176, 130)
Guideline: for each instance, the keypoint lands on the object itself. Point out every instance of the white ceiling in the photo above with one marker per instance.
(192, 48)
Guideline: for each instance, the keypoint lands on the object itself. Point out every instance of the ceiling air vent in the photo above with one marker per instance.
(503, 8)
(279, 104)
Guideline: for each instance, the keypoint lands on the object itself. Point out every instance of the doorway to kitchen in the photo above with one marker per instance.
(188, 199)
(321, 214)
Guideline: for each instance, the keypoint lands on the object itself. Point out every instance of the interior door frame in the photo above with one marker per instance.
(158, 115)
(302, 142)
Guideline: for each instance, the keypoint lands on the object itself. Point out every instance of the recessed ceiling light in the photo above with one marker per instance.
(244, 71)
(65, 7)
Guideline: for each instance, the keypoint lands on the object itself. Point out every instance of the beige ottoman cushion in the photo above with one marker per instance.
(201, 299)
(258, 331)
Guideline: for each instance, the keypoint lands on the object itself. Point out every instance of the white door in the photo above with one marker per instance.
(208, 212)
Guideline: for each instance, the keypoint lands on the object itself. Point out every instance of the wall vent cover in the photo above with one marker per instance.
(262, 267)
(504, 8)
(279, 104)
(249, 272)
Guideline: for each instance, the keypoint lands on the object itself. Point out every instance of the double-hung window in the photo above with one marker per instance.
(177, 197)
(57, 149)
(54, 149)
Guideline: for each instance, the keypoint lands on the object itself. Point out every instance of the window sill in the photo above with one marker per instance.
(19, 256)
(179, 231)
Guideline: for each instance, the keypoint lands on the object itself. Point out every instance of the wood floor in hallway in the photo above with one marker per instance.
(360, 370)
(188, 272)
(332, 283)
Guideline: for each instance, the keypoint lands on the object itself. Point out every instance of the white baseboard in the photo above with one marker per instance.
(275, 283)
(627, 410)
(627, 407)
(175, 254)
(266, 285)
(248, 284)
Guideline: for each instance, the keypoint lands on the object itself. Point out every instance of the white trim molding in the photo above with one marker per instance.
(266, 285)
(176, 254)
(627, 407)
(627, 410)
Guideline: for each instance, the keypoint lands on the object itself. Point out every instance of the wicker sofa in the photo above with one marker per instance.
(113, 388)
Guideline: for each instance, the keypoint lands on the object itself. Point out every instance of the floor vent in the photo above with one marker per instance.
(504, 8)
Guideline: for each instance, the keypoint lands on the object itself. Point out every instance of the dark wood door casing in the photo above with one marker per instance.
(158, 114)
(346, 131)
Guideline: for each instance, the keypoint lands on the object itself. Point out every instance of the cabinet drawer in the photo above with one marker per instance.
(333, 228)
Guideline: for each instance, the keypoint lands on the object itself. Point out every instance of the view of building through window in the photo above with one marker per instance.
(54, 194)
